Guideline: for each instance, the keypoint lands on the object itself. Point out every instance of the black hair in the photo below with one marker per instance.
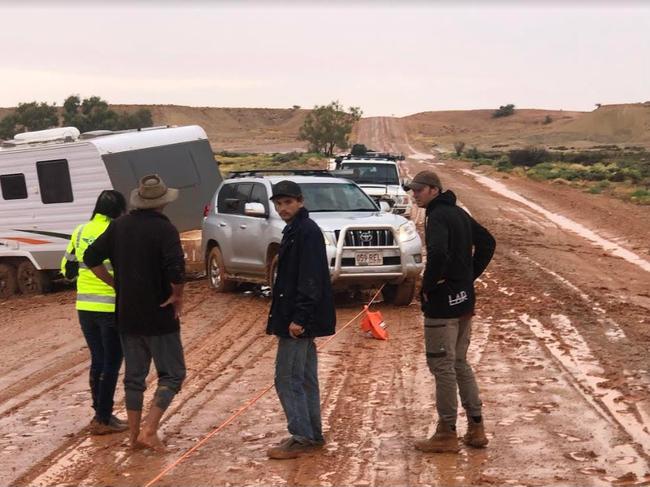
(110, 203)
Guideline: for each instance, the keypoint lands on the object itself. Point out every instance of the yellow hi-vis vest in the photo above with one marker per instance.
(93, 294)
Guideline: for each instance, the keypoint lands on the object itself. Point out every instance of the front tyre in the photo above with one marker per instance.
(399, 294)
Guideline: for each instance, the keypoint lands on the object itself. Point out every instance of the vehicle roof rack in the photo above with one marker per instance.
(295, 172)
(372, 155)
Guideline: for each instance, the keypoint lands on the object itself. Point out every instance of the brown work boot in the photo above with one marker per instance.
(289, 448)
(475, 436)
(444, 440)
(99, 428)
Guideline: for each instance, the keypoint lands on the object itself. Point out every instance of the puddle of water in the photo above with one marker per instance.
(563, 222)
(574, 355)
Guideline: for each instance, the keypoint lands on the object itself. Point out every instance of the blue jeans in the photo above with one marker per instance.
(105, 359)
(296, 382)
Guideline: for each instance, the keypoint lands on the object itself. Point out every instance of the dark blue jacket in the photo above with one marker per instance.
(458, 251)
(302, 292)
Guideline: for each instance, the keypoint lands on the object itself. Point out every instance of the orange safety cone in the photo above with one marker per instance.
(373, 325)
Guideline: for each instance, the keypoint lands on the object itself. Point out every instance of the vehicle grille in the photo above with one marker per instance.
(367, 238)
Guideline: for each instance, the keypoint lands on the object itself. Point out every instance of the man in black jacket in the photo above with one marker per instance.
(458, 251)
(302, 308)
(145, 250)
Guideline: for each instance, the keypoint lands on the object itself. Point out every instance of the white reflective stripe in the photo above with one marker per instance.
(70, 257)
(96, 298)
(79, 236)
(108, 266)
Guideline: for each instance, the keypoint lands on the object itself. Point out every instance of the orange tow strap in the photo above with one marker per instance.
(247, 405)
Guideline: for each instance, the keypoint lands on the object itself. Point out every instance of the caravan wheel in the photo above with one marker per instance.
(31, 280)
(8, 281)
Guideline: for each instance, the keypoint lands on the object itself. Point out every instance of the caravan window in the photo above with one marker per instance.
(13, 186)
(54, 181)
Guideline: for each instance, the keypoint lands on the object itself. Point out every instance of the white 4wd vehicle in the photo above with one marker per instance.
(366, 246)
(379, 178)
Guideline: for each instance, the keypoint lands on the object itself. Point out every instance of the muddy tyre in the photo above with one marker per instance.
(31, 280)
(216, 271)
(399, 294)
(273, 272)
(8, 281)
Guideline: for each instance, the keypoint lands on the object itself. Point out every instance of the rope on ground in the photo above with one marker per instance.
(246, 406)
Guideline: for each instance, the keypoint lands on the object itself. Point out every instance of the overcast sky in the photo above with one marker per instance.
(387, 59)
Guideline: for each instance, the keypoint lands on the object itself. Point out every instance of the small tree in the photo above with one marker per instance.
(504, 111)
(94, 114)
(329, 126)
(458, 147)
(359, 150)
(547, 120)
(28, 117)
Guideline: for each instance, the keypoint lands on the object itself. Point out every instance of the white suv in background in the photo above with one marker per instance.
(366, 246)
(380, 178)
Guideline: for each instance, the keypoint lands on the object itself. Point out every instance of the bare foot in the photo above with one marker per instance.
(150, 440)
(136, 444)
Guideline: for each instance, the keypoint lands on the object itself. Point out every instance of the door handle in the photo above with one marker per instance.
(222, 224)
(242, 226)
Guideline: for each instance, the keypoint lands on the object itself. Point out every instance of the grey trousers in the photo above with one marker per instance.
(167, 354)
(446, 343)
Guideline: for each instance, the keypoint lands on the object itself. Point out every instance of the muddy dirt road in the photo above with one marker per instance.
(560, 349)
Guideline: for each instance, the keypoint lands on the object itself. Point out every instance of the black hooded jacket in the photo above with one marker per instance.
(458, 251)
(302, 292)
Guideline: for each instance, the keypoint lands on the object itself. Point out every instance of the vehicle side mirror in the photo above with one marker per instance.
(405, 184)
(254, 209)
(384, 206)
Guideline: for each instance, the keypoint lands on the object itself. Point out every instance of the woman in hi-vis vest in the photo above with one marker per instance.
(96, 309)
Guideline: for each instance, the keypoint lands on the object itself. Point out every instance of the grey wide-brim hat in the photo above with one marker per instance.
(152, 192)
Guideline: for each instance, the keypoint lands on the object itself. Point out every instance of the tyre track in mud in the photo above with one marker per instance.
(186, 428)
(195, 345)
(70, 363)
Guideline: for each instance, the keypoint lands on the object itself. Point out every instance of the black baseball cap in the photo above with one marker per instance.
(286, 188)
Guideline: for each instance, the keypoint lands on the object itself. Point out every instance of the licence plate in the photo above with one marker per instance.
(368, 258)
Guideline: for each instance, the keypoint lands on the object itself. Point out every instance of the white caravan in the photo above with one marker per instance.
(50, 180)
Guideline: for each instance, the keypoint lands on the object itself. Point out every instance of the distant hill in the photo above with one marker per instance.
(627, 124)
(242, 129)
(276, 129)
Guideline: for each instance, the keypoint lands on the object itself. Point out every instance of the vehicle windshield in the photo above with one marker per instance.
(371, 173)
(336, 197)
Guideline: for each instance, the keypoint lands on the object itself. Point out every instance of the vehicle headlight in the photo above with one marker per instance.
(330, 238)
(407, 232)
(404, 200)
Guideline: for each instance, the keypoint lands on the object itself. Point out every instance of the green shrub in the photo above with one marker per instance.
(529, 157)
(286, 157)
(504, 111)
(503, 165)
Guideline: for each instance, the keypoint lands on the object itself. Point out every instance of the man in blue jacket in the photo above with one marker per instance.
(458, 251)
(302, 308)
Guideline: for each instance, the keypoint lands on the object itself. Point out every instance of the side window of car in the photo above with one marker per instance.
(260, 195)
(226, 193)
(232, 197)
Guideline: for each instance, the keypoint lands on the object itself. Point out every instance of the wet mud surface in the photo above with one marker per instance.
(560, 348)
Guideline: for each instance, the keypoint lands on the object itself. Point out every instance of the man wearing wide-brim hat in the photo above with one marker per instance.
(145, 250)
